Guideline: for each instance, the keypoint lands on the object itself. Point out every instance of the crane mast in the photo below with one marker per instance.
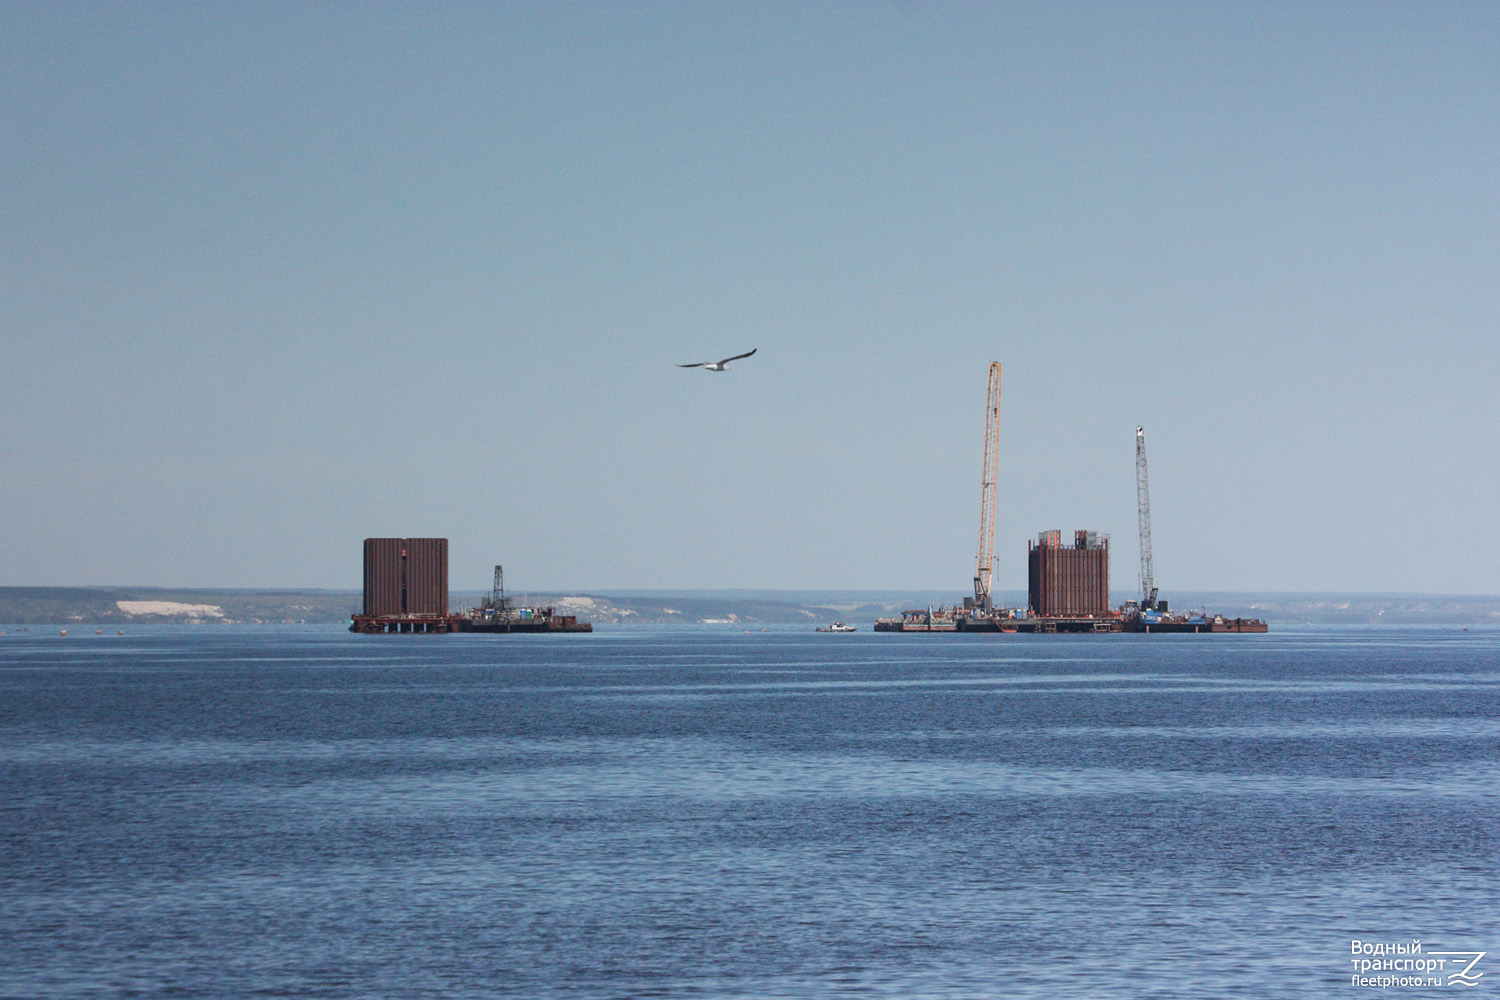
(495, 604)
(985, 562)
(1143, 502)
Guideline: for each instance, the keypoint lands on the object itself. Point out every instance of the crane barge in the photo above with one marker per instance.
(1069, 583)
(496, 613)
(1150, 613)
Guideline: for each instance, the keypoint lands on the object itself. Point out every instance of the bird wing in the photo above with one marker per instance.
(696, 364)
(738, 356)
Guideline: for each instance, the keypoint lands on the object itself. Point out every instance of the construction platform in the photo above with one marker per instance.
(521, 620)
(961, 620)
(524, 620)
(391, 624)
(406, 592)
(1216, 623)
(964, 620)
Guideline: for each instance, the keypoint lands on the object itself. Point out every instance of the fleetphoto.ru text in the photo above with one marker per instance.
(1388, 964)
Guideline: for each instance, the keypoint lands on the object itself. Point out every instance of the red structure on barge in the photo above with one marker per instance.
(406, 586)
(1068, 581)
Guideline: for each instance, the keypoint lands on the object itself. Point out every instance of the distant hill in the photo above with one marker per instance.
(1350, 609)
(120, 605)
(117, 605)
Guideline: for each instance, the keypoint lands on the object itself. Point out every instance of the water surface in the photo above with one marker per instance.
(708, 812)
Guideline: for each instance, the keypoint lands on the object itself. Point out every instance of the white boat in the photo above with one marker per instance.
(837, 627)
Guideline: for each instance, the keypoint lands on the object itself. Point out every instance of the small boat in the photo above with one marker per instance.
(837, 627)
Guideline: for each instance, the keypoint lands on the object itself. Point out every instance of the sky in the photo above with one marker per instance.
(275, 278)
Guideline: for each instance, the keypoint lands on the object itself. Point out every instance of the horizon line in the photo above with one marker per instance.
(684, 591)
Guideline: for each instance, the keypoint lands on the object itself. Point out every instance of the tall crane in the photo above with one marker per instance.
(1143, 502)
(496, 604)
(985, 563)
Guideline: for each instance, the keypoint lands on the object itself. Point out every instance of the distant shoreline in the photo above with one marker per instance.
(21, 606)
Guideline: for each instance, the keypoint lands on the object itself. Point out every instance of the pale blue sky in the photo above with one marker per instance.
(276, 278)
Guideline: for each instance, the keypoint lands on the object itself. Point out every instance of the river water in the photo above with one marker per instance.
(223, 811)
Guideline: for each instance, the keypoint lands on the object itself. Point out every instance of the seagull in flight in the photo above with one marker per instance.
(718, 366)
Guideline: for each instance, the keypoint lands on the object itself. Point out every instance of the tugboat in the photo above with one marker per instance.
(838, 627)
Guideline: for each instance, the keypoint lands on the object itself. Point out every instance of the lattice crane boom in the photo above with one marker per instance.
(1143, 503)
(985, 563)
(496, 600)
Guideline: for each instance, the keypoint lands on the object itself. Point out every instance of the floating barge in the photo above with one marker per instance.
(391, 624)
(519, 620)
(406, 591)
(1192, 623)
(966, 620)
(1068, 591)
(496, 614)
(941, 620)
